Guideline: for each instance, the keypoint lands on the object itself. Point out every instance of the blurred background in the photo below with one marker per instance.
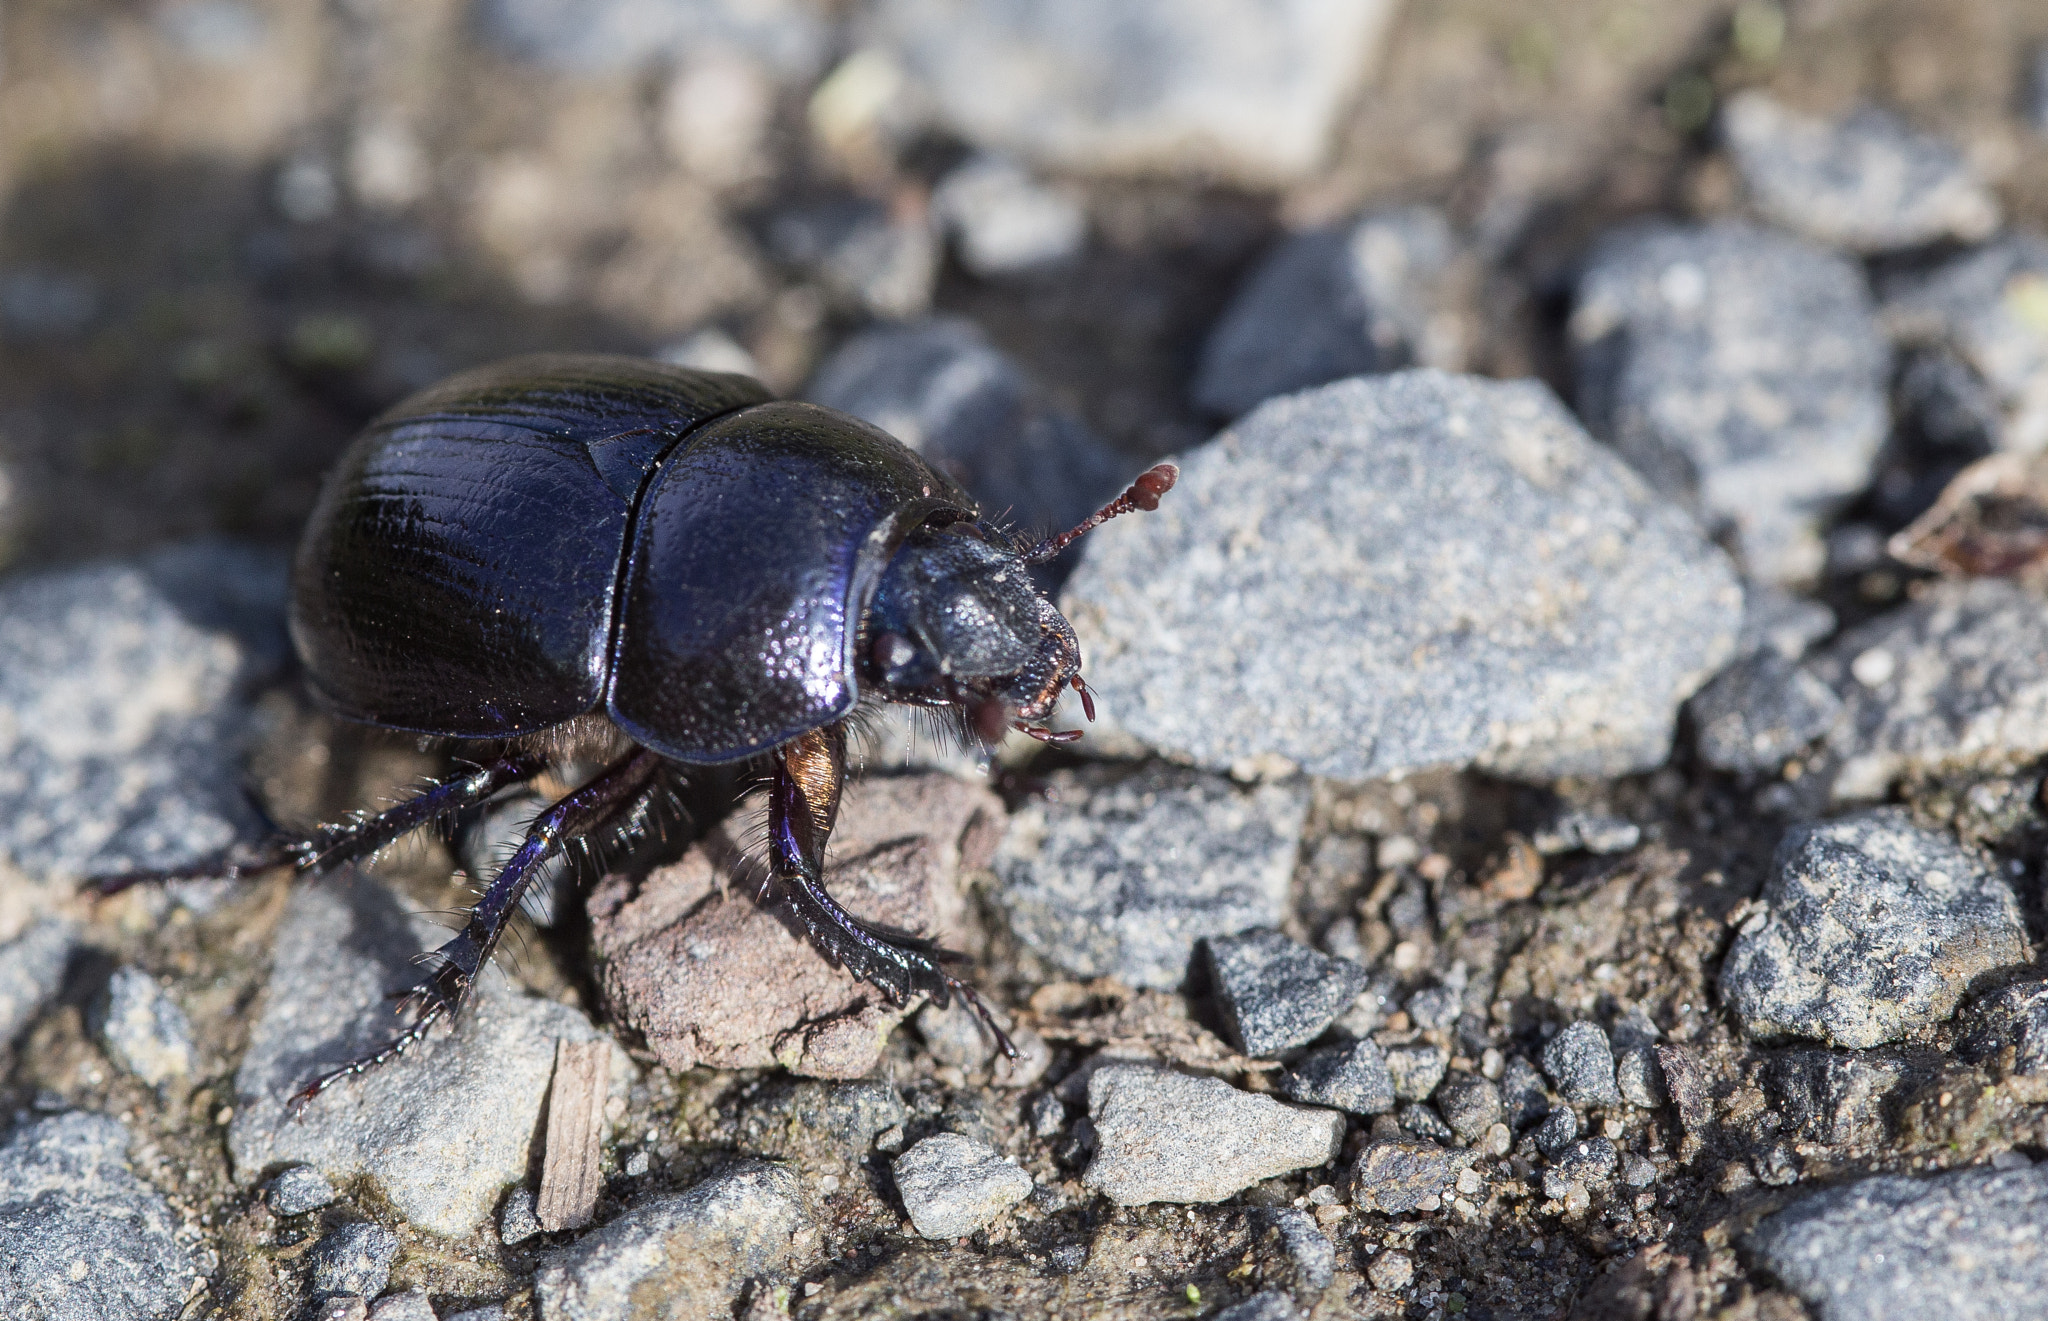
(233, 230)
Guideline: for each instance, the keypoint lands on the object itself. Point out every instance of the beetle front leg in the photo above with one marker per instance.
(810, 772)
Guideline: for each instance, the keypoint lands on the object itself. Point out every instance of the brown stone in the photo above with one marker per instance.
(690, 957)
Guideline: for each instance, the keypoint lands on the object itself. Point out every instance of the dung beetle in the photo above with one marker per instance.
(607, 559)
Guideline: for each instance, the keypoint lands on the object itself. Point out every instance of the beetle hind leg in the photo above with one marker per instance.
(803, 807)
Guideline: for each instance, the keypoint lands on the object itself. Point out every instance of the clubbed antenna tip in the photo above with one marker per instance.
(1141, 494)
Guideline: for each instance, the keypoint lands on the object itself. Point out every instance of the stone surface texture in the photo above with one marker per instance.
(1760, 711)
(81, 1238)
(711, 976)
(1277, 993)
(1964, 1245)
(1317, 592)
(1988, 307)
(353, 1258)
(32, 969)
(1351, 1077)
(444, 1129)
(1739, 369)
(1168, 1137)
(952, 1185)
(1396, 1178)
(1868, 927)
(1580, 1061)
(143, 1028)
(678, 1255)
(1121, 876)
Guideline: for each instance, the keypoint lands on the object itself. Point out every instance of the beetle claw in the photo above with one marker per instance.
(1044, 735)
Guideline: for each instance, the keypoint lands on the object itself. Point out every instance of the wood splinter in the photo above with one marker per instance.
(569, 1178)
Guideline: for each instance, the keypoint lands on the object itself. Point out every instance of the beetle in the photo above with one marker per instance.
(614, 559)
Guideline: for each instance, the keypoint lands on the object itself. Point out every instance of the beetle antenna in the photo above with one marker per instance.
(1141, 494)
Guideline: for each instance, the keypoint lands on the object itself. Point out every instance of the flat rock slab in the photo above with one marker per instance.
(1322, 591)
(1250, 93)
(124, 699)
(1169, 1137)
(1739, 369)
(444, 1128)
(1868, 927)
(81, 1238)
(1120, 876)
(710, 975)
(680, 1255)
(1964, 1246)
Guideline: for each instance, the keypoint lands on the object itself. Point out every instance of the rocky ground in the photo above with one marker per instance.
(1564, 836)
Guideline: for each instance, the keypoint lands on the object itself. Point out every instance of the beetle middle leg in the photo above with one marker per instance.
(457, 962)
(810, 772)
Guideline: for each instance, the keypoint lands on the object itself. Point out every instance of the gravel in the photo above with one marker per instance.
(1469, 1104)
(1638, 1077)
(941, 388)
(1168, 1137)
(1558, 1130)
(1867, 183)
(412, 1305)
(1417, 1069)
(81, 1238)
(1987, 312)
(32, 970)
(1317, 593)
(142, 1028)
(790, 37)
(1119, 876)
(1376, 295)
(1395, 1178)
(711, 976)
(1249, 94)
(693, 1251)
(124, 701)
(1868, 927)
(1963, 1245)
(353, 1258)
(1275, 993)
(297, 1190)
(1002, 221)
(1587, 1163)
(443, 1130)
(1351, 1077)
(1759, 712)
(1738, 369)
(1522, 1092)
(952, 1185)
(1580, 1061)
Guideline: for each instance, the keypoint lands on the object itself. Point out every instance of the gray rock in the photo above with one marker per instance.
(32, 970)
(1396, 1178)
(517, 1219)
(1469, 1104)
(1003, 221)
(1351, 1077)
(1580, 1060)
(941, 388)
(1317, 591)
(1590, 1162)
(2016, 1018)
(297, 1190)
(1168, 1137)
(81, 1238)
(1434, 1008)
(1867, 928)
(866, 255)
(1302, 1241)
(1523, 1093)
(1119, 877)
(952, 1185)
(1636, 1172)
(124, 699)
(1837, 1099)
(1760, 711)
(444, 1129)
(1425, 1123)
(1738, 369)
(1867, 183)
(818, 1123)
(1982, 311)
(1276, 993)
(353, 1258)
(1557, 1132)
(1638, 1077)
(142, 1028)
(1964, 1245)
(1417, 1069)
(1373, 296)
(710, 350)
(1775, 620)
(1955, 681)
(791, 37)
(693, 1251)
(412, 1305)
(1147, 87)
(1592, 832)
(1272, 1305)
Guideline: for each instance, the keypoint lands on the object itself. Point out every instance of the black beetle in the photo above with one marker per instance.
(611, 558)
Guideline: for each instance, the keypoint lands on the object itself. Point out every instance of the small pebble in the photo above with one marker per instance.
(1580, 1061)
(1003, 221)
(1637, 1172)
(1391, 1272)
(1638, 1078)
(952, 1185)
(1275, 993)
(1168, 1137)
(1559, 1129)
(142, 1028)
(1423, 1122)
(1272, 1305)
(412, 1305)
(1048, 1116)
(1592, 832)
(1416, 1070)
(516, 1220)
(1469, 1104)
(1351, 1077)
(353, 1258)
(297, 1190)
(1523, 1093)
(1397, 1177)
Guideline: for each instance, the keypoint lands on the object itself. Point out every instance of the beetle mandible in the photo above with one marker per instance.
(648, 566)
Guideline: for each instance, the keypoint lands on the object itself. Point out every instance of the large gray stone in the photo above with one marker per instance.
(1987, 311)
(443, 1129)
(1246, 91)
(1739, 369)
(81, 1238)
(1867, 183)
(1868, 927)
(124, 699)
(1400, 572)
(1121, 876)
(1168, 1137)
(1963, 1246)
(1373, 296)
(680, 1255)
(790, 37)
